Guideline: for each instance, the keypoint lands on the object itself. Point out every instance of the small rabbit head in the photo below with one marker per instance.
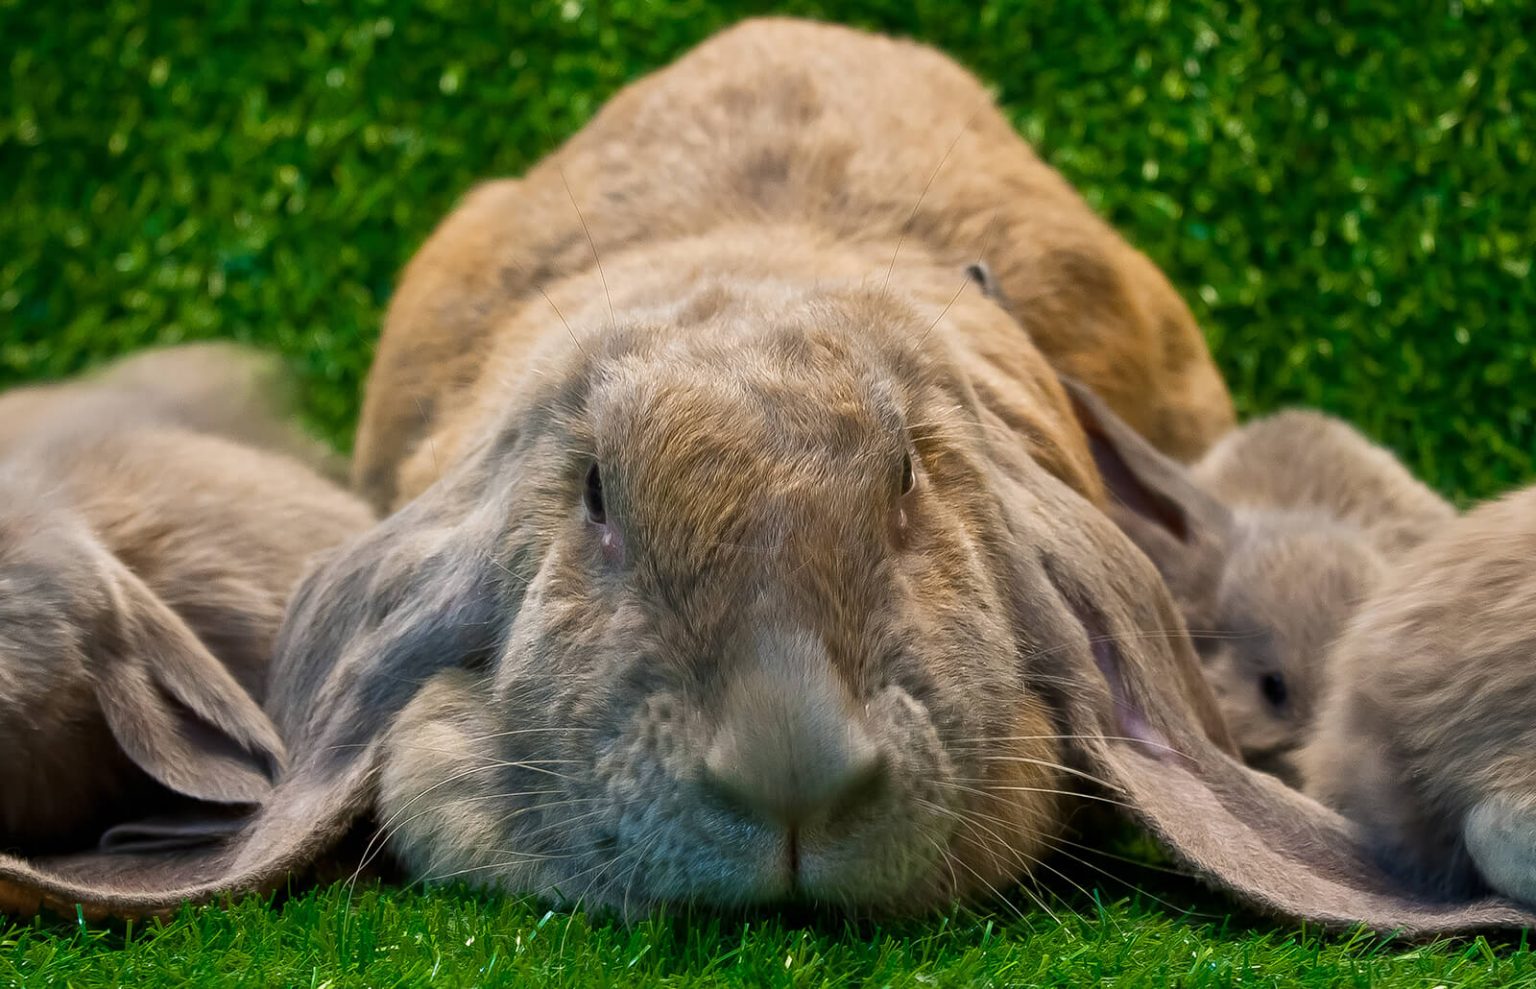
(1263, 591)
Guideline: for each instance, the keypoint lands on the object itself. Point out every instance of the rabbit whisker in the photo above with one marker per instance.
(905, 227)
(612, 319)
(1046, 764)
(985, 740)
(996, 893)
(1140, 891)
(991, 228)
(958, 783)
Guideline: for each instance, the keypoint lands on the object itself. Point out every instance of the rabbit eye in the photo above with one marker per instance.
(908, 476)
(592, 496)
(1273, 689)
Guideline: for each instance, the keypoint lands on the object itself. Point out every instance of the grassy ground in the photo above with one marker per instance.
(1346, 200)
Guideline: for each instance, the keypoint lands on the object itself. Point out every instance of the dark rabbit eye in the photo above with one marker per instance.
(1273, 689)
(592, 496)
(908, 477)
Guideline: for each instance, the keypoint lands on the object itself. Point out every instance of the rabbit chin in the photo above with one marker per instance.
(630, 830)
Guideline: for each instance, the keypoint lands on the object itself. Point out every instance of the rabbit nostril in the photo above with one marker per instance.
(865, 786)
(721, 788)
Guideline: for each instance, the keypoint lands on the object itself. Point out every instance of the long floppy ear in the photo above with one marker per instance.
(1181, 528)
(171, 705)
(426, 589)
(1138, 715)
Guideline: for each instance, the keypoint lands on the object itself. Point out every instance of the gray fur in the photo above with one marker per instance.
(1427, 736)
(1269, 543)
(145, 561)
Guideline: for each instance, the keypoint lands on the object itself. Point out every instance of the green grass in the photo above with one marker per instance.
(1347, 201)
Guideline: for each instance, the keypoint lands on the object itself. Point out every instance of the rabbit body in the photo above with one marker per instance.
(147, 550)
(738, 512)
(1427, 731)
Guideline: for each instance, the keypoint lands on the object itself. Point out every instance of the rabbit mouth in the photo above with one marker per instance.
(664, 835)
(639, 831)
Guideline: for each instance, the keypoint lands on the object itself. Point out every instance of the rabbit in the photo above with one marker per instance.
(1427, 730)
(214, 387)
(742, 545)
(147, 549)
(704, 518)
(1269, 543)
(729, 480)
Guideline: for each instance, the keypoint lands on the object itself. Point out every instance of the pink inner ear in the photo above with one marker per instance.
(1130, 722)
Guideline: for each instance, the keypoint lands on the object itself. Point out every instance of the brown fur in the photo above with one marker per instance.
(762, 152)
(747, 380)
(1269, 542)
(143, 558)
(1427, 735)
(610, 688)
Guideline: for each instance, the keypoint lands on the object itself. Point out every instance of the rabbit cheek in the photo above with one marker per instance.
(651, 841)
(444, 797)
(1008, 823)
(667, 838)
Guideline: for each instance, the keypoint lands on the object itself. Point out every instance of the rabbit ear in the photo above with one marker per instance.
(172, 706)
(419, 593)
(1141, 720)
(1181, 528)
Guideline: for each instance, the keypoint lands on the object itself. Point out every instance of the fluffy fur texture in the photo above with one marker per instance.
(144, 566)
(1428, 729)
(779, 155)
(736, 571)
(765, 346)
(1269, 543)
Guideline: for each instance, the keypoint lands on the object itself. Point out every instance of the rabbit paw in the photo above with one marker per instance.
(1501, 836)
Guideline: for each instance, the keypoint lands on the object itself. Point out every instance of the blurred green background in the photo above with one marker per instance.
(1345, 196)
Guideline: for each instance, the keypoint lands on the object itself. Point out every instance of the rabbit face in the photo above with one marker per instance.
(761, 648)
(1286, 588)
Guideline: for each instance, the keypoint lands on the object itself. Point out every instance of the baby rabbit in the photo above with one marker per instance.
(1268, 542)
(1427, 731)
(212, 387)
(147, 549)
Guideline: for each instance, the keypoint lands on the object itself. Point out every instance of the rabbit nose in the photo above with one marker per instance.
(789, 750)
(795, 770)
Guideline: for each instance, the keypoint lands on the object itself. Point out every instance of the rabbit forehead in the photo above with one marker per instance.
(808, 368)
(1298, 578)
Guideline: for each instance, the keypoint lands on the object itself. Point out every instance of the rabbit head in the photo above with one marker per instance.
(757, 603)
(1263, 587)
